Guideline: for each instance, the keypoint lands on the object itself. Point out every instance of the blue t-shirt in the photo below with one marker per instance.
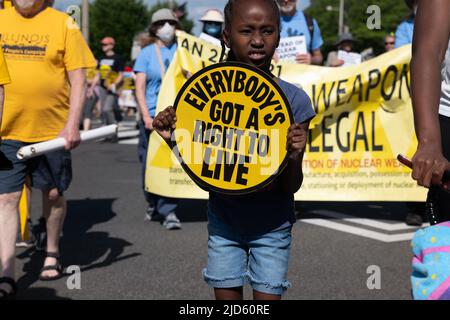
(147, 62)
(404, 33)
(263, 211)
(298, 26)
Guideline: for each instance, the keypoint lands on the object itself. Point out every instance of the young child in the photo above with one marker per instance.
(250, 235)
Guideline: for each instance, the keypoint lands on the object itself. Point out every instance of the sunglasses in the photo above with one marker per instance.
(106, 44)
(390, 43)
(163, 22)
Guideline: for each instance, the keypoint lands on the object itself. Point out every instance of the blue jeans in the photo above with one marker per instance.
(235, 259)
(162, 205)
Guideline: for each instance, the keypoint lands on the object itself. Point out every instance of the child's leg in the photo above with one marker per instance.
(229, 294)
(226, 271)
(264, 296)
(268, 264)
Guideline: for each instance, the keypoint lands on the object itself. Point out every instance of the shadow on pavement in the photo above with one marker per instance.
(79, 246)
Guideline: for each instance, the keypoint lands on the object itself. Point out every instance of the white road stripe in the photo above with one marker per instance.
(366, 222)
(128, 134)
(129, 141)
(360, 231)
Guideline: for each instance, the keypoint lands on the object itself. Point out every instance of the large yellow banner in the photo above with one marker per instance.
(364, 119)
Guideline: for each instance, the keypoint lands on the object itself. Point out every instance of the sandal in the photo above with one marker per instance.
(5, 295)
(57, 267)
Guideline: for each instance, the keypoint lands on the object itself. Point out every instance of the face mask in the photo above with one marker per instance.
(287, 8)
(213, 29)
(167, 33)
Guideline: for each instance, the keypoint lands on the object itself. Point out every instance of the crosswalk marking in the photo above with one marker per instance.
(360, 231)
(364, 222)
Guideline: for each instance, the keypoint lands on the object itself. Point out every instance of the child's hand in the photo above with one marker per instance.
(164, 122)
(296, 140)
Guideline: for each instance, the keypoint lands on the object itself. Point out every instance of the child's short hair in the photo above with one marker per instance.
(228, 12)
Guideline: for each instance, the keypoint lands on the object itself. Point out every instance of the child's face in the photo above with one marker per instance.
(253, 34)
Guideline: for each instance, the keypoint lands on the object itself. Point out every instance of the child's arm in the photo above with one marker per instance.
(292, 176)
(165, 122)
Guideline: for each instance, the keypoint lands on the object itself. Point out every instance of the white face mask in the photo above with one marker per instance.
(167, 33)
(287, 8)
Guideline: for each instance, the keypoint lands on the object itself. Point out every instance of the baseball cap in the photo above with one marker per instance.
(163, 14)
(108, 40)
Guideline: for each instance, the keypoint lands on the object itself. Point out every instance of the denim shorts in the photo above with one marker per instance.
(235, 259)
(49, 171)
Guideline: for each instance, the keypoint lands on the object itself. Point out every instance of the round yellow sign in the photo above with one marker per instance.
(232, 124)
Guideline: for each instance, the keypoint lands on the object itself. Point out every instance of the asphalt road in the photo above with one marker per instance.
(123, 257)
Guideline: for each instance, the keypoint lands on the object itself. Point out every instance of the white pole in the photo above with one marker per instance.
(341, 17)
(85, 20)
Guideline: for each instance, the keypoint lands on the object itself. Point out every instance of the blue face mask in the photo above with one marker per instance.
(214, 29)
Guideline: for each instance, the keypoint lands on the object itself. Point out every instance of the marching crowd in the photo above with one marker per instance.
(75, 87)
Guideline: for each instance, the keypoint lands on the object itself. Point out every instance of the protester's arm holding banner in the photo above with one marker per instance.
(142, 103)
(71, 132)
(431, 34)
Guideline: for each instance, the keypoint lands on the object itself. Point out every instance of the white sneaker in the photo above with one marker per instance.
(171, 222)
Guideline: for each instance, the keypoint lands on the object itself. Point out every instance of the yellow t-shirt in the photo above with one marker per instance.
(4, 75)
(39, 52)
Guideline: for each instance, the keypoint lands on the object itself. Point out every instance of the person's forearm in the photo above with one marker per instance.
(77, 97)
(292, 176)
(142, 103)
(425, 86)
(430, 41)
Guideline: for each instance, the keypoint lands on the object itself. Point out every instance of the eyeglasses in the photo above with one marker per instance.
(106, 44)
(389, 43)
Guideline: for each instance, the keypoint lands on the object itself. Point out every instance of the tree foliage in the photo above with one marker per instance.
(120, 19)
(123, 19)
(392, 13)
